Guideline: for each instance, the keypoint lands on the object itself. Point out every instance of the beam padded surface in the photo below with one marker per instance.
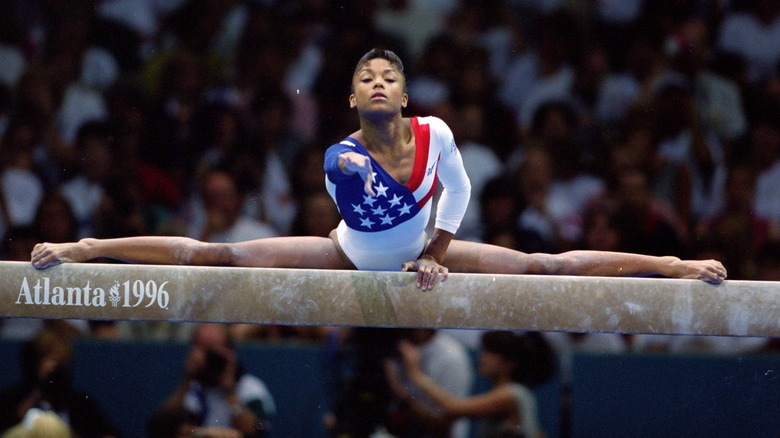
(389, 299)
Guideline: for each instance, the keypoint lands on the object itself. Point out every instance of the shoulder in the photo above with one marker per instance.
(434, 122)
(440, 134)
(347, 143)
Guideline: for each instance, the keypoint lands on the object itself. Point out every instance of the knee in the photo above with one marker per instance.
(553, 264)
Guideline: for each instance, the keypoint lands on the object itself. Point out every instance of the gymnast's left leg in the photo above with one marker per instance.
(473, 257)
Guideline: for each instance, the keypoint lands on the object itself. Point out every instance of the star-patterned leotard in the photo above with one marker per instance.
(381, 233)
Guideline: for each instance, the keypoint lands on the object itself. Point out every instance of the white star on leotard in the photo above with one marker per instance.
(357, 209)
(387, 220)
(405, 209)
(395, 201)
(378, 211)
(368, 200)
(366, 222)
(381, 190)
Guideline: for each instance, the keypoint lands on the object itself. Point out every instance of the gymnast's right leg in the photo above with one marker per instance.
(276, 252)
(304, 252)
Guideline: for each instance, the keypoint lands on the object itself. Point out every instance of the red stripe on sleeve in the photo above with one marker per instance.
(422, 142)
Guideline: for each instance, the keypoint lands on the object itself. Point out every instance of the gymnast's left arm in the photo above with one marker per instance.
(451, 208)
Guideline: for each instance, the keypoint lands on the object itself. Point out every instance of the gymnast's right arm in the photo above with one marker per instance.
(162, 250)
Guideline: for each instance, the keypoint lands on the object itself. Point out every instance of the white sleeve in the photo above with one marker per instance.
(457, 187)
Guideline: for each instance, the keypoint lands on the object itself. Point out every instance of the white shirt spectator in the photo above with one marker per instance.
(415, 24)
(743, 34)
(14, 64)
(619, 11)
(99, 69)
(275, 203)
(767, 199)
(481, 165)
(80, 104)
(22, 192)
(567, 200)
(518, 81)
(618, 92)
(447, 362)
(211, 402)
(549, 88)
(244, 229)
(84, 198)
(720, 106)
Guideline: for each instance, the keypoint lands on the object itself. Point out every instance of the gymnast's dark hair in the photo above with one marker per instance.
(377, 53)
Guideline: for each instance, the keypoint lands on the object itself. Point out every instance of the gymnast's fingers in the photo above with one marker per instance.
(42, 256)
(369, 185)
(425, 278)
(713, 273)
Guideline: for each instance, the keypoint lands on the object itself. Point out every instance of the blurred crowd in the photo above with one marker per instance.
(627, 125)
(650, 127)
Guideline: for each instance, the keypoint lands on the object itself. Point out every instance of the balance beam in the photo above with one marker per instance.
(389, 299)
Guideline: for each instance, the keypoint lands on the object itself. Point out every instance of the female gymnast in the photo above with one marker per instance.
(382, 177)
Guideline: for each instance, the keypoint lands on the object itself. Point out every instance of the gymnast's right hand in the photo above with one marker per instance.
(353, 162)
(45, 255)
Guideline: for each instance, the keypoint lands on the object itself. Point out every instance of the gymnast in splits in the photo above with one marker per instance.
(382, 177)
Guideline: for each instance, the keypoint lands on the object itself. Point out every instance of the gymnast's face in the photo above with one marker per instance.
(378, 87)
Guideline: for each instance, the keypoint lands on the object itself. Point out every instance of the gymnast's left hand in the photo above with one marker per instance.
(711, 271)
(428, 270)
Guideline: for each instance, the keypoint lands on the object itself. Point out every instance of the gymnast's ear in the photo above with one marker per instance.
(352, 101)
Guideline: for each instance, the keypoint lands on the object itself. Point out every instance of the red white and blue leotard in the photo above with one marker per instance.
(381, 233)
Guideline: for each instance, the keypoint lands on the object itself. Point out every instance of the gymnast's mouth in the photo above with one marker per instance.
(378, 95)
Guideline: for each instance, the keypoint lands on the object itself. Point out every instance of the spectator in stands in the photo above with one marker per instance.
(47, 384)
(514, 363)
(693, 171)
(86, 190)
(276, 145)
(764, 146)
(54, 219)
(223, 218)
(180, 423)
(750, 29)
(21, 188)
(362, 399)
(501, 204)
(737, 223)
(648, 224)
(768, 261)
(40, 424)
(445, 362)
(481, 163)
(217, 390)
